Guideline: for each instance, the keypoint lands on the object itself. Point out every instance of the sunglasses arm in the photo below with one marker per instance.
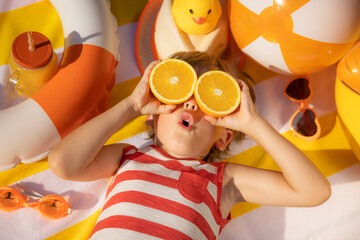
(26, 191)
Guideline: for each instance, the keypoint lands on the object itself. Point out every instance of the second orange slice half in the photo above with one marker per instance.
(217, 93)
(172, 81)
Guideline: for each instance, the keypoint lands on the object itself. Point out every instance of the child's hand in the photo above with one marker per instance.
(243, 118)
(143, 101)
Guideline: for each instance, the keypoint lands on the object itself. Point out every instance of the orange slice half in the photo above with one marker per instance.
(217, 93)
(172, 81)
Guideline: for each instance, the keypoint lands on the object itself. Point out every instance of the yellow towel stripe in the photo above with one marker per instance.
(331, 154)
(131, 129)
(22, 171)
(242, 208)
(41, 17)
(119, 92)
(318, 151)
(122, 90)
(127, 11)
(79, 231)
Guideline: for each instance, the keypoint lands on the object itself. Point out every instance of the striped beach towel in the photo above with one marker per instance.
(338, 218)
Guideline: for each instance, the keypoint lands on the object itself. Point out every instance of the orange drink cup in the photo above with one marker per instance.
(32, 63)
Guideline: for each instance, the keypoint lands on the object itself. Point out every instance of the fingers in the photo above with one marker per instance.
(243, 85)
(210, 119)
(214, 121)
(144, 81)
(149, 120)
(245, 91)
(165, 109)
(149, 68)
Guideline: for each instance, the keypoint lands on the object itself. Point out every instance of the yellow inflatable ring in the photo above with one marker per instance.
(347, 96)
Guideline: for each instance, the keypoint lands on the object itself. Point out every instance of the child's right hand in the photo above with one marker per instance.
(242, 119)
(143, 101)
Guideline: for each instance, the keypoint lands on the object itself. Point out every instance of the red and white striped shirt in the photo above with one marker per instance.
(155, 196)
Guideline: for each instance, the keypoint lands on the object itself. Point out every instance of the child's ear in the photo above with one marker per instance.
(224, 140)
(149, 120)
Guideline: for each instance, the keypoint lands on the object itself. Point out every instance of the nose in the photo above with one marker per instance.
(191, 105)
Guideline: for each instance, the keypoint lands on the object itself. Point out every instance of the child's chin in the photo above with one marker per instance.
(187, 152)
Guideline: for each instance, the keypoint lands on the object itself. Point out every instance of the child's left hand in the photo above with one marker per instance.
(242, 119)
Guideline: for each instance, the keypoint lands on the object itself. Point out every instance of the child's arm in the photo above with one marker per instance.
(82, 155)
(299, 183)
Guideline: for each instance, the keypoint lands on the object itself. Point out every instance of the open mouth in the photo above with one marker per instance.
(186, 121)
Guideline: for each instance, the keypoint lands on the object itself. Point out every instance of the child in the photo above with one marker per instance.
(166, 190)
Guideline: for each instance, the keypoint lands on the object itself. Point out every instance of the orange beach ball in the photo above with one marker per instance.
(295, 36)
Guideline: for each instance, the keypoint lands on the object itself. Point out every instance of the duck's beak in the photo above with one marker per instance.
(199, 20)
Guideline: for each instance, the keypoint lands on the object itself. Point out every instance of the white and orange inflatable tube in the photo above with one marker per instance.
(79, 91)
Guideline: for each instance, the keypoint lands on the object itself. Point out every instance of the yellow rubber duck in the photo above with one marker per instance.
(197, 17)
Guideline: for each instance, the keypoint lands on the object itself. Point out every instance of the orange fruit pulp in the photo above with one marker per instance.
(172, 81)
(217, 93)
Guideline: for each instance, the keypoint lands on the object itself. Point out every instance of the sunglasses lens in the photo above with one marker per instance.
(304, 123)
(8, 201)
(298, 89)
(53, 208)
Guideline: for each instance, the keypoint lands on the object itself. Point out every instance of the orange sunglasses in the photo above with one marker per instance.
(51, 206)
(304, 122)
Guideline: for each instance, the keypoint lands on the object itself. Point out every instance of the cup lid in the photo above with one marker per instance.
(25, 58)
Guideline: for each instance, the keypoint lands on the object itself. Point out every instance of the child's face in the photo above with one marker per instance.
(185, 133)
